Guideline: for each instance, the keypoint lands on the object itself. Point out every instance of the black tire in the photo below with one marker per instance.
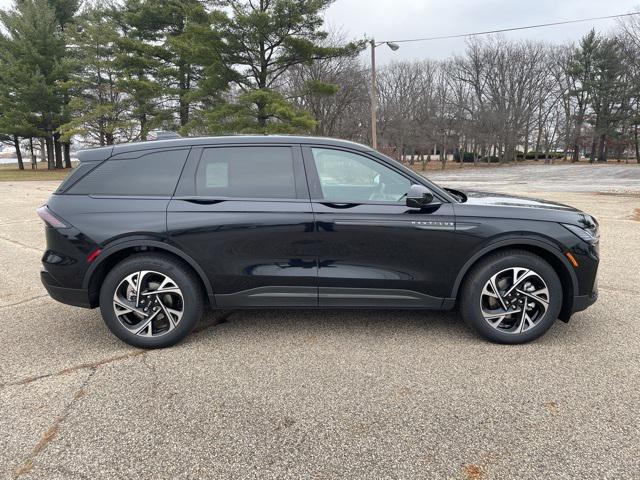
(187, 282)
(481, 273)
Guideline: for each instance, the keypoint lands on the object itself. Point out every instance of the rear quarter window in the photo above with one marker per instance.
(155, 173)
(75, 174)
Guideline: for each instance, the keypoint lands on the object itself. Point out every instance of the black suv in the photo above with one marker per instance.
(153, 232)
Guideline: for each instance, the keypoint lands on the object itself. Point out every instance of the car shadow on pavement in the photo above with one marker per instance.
(429, 326)
(331, 322)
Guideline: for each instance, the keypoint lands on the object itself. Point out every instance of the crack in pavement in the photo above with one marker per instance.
(47, 437)
(50, 434)
(108, 360)
(82, 366)
(23, 245)
(154, 376)
(607, 288)
(20, 302)
(15, 222)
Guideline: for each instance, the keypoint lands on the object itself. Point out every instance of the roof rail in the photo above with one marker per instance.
(163, 135)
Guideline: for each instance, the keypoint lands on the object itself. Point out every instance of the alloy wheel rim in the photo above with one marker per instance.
(514, 300)
(148, 303)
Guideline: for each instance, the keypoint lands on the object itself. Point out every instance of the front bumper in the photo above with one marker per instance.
(582, 302)
(70, 296)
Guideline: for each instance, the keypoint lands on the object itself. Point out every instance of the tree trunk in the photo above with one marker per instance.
(109, 138)
(144, 129)
(262, 115)
(16, 144)
(101, 130)
(508, 150)
(184, 87)
(58, 150)
(592, 157)
(576, 137)
(43, 157)
(66, 149)
(635, 136)
(602, 150)
(34, 162)
(50, 159)
(184, 109)
(575, 156)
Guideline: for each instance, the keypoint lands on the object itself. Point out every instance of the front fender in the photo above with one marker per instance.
(517, 241)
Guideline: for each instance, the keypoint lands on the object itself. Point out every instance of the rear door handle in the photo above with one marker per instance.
(199, 200)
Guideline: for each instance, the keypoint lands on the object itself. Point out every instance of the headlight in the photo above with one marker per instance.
(588, 234)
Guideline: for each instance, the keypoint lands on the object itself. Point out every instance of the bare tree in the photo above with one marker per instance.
(403, 89)
(499, 101)
(335, 92)
(630, 47)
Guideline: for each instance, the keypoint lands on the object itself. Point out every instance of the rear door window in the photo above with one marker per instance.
(153, 174)
(246, 172)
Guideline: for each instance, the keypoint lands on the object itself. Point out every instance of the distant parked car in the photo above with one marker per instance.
(153, 232)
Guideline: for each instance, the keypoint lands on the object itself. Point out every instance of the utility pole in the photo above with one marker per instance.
(374, 97)
(374, 100)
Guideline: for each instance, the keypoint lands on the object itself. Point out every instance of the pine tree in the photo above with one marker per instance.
(136, 61)
(34, 68)
(242, 115)
(15, 122)
(99, 106)
(264, 39)
(159, 34)
(65, 11)
(581, 72)
(609, 94)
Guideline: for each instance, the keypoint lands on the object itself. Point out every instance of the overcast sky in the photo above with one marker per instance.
(400, 19)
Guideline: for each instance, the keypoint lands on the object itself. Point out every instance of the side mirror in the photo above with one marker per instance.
(419, 196)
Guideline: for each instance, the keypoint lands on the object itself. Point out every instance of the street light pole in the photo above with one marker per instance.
(374, 100)
(374, 96)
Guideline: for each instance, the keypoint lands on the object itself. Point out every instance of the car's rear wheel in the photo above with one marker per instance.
(151, 300)
(511, 297)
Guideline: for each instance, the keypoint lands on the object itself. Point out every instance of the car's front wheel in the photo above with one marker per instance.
(511, 297)
(151, 300)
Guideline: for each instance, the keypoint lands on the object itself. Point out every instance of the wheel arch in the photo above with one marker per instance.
(540, 247)
(114, 254)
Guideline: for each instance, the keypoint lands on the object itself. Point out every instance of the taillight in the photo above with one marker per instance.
(46, 215)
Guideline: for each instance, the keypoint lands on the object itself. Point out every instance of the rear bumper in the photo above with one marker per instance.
(70, 296)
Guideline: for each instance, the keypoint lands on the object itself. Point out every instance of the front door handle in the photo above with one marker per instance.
(340, 206)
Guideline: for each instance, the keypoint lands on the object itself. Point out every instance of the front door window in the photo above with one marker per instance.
(350, 178)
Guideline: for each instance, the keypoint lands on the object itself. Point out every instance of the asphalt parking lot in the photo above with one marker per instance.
(329, 394)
